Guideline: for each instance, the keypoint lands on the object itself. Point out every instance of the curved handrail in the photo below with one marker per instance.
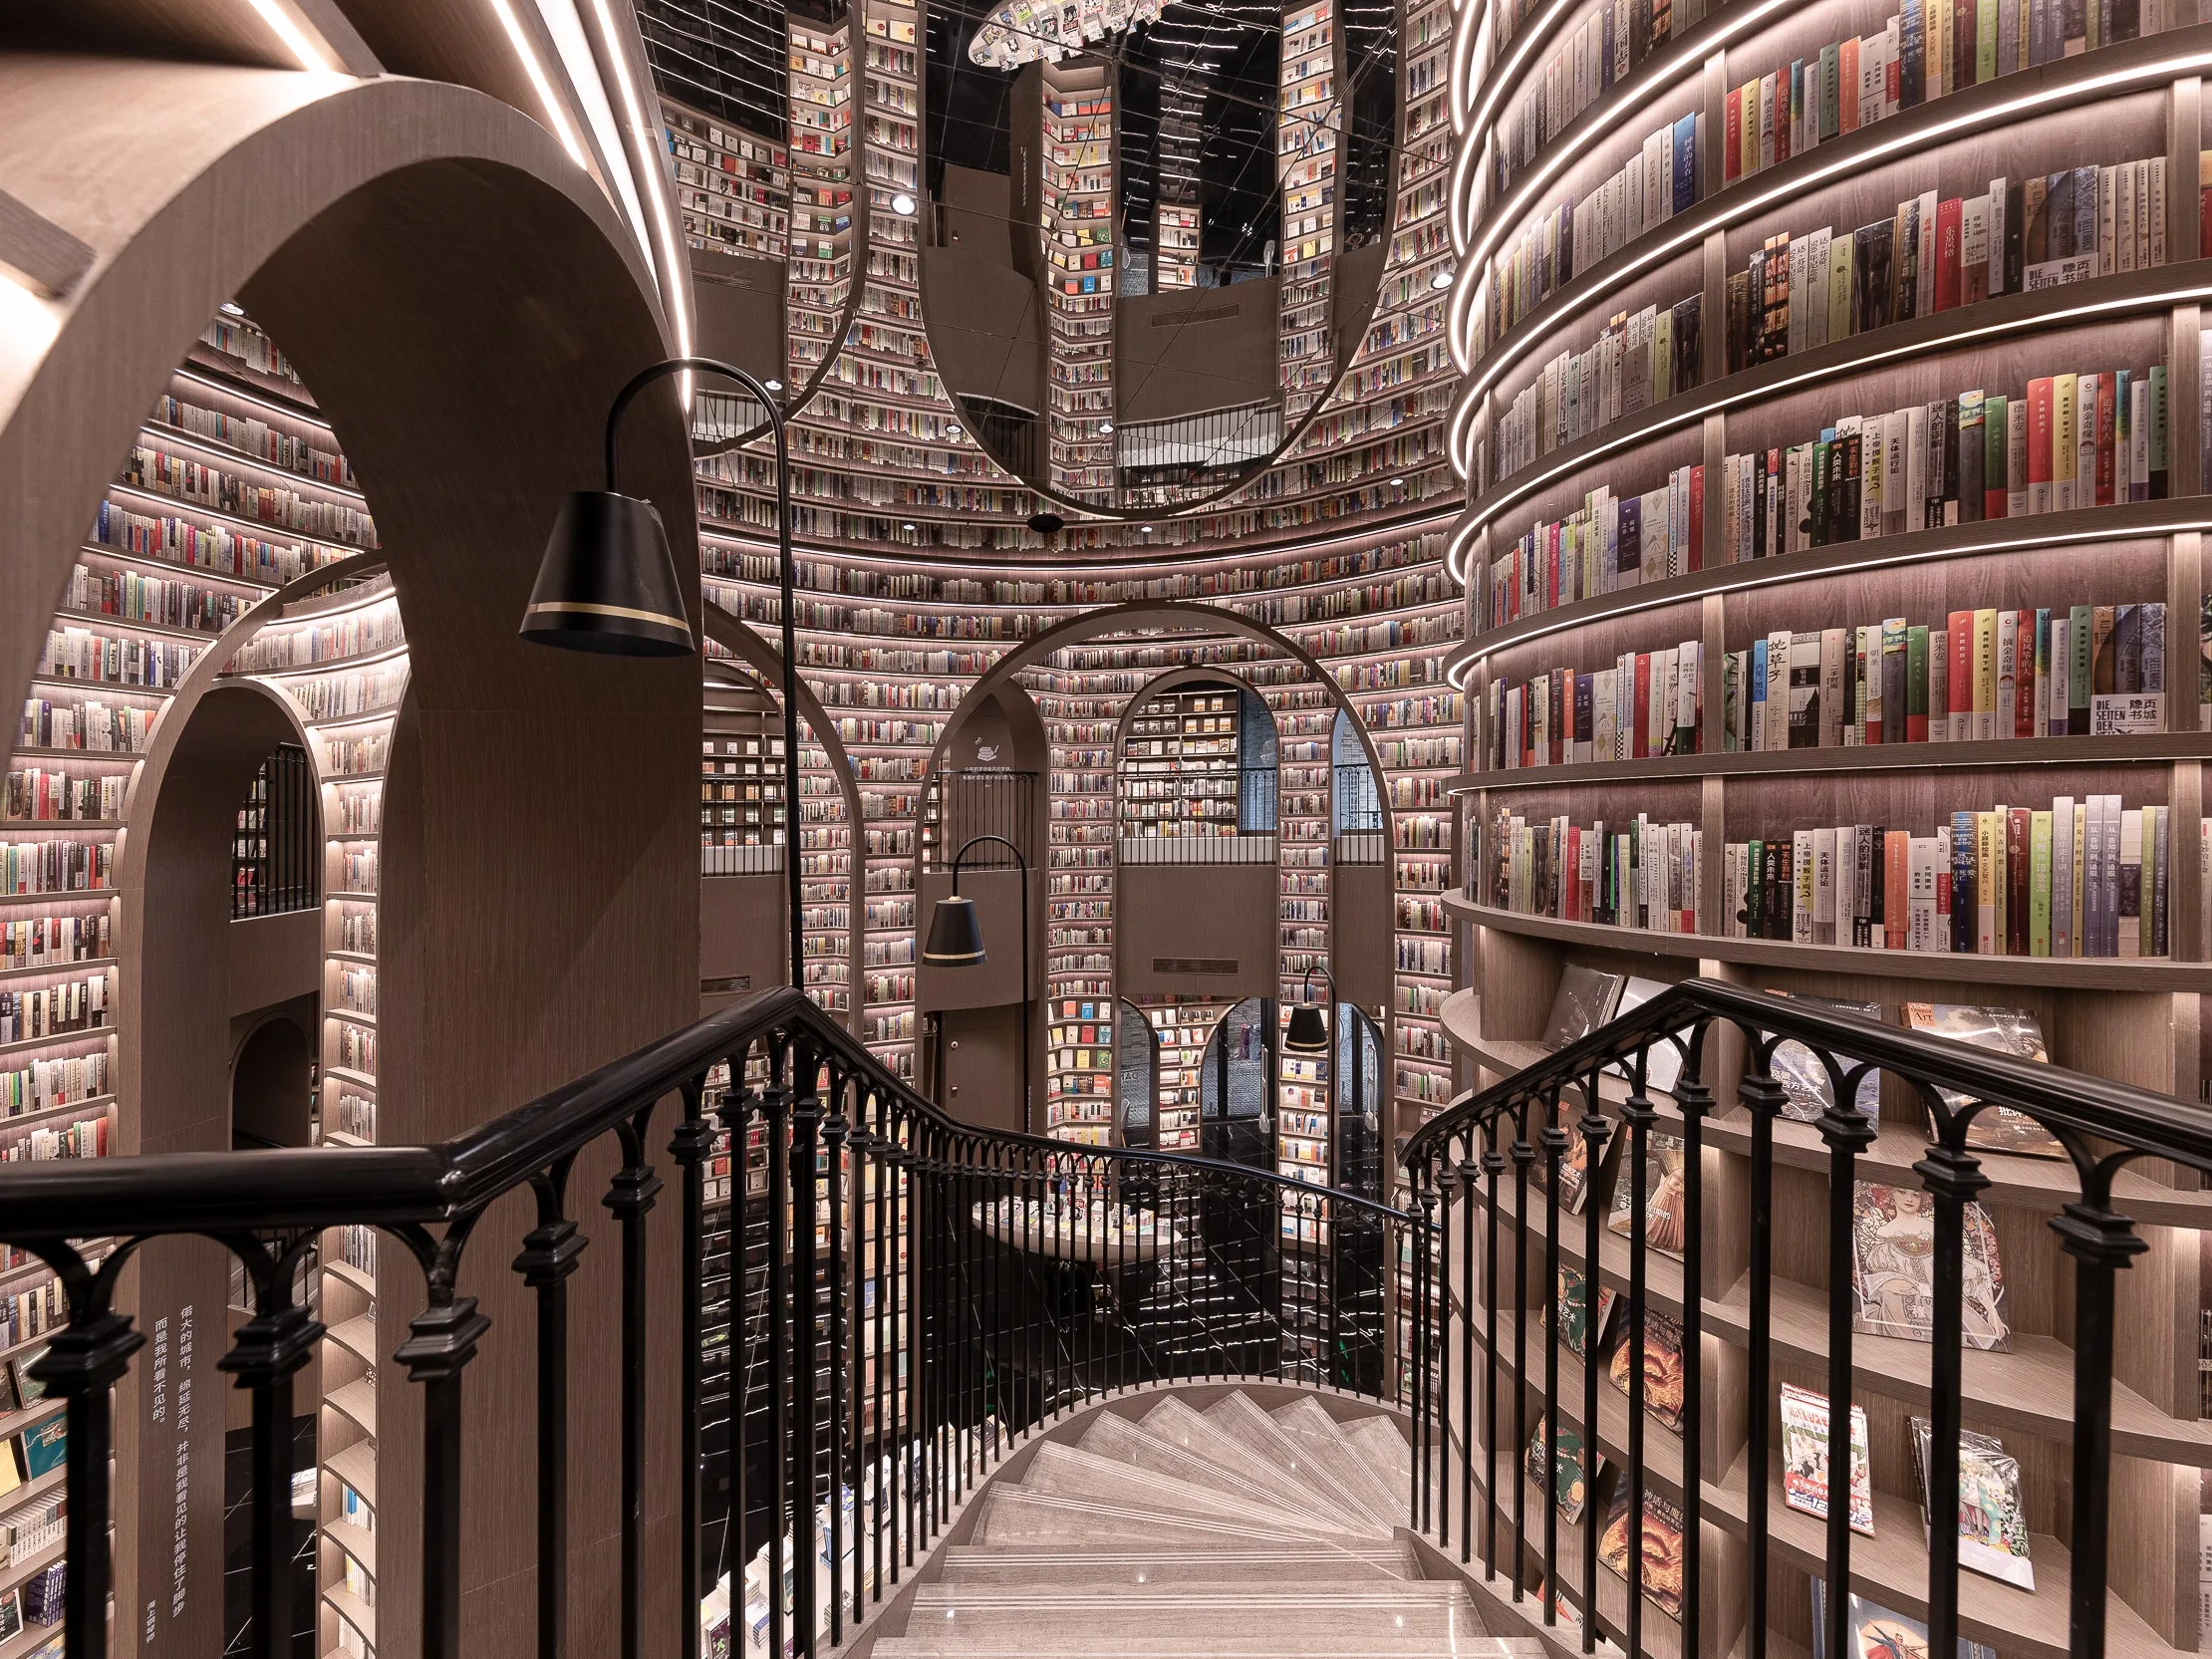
(2136, 1119)
(327, 1186)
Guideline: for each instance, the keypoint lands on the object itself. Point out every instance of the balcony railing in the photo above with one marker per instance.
(1013, 1277)
(1805, 1199)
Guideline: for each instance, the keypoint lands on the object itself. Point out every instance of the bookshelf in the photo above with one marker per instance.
(1185, 1029)
(1650, 365)
(1175, 247)
(742, 817)
(820, 283)
(1078, 160)
(1308, 143)
(734, 188)
(1182, 765)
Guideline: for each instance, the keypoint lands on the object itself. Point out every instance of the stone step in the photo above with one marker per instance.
(1128, 1442)
(1387, 1450)
(1072, 1471)
(1175, 1422)
(1340, 1562)
(1014, 1515)
(1266, 1640)
(1171, 1612)
(1348, 1466)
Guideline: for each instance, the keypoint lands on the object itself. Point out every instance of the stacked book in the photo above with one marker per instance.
(1646, 704)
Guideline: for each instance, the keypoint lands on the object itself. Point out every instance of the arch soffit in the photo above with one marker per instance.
(208, 172)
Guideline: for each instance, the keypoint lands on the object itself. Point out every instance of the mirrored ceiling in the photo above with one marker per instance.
(1146, 235)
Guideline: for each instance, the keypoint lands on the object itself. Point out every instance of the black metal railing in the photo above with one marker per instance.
(1015, 1275)
(276, 854)
(1803, 1197)
(967, 802)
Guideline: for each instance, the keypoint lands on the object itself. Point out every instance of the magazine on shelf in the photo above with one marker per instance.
(1574, 1157)
(1879, 1633)
(1894, 1268)
(1663, 1061)
(11, 1615)
(1663, 1373)
(1584, 1002)
(1804, 1458)
(1662, 1545)
(1805, 1083)
(1665, 1182)
(1993, 1516)
(2014, 1031)
(1571, 1482)
(1571, 1313)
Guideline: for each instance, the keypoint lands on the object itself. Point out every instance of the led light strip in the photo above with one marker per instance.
(652, 166)
(1726, 211)
(286, 29)
(1676, 420)
(540, 82)
(1455, 672)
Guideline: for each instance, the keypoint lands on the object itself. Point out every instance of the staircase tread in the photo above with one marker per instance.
(1072, 1471)
(1346, 1461)
(1175, 1422)
(1130, 1442)
(1018, 1511)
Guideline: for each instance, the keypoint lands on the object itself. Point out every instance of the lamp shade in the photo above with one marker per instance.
(955, 935)
(1310, 1030)
(608, 580)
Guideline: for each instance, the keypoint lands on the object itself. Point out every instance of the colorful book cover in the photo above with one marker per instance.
(1806, 1086)
(1993, 1518)
(2014, 1031)
(1665, 1180)
(1570, 1484)
(1894, 1268)
(1662, 1360)
(1804, 1458)
(1571, 1313)
(45, 1445)
(1879, 1633)
(1662, 1545)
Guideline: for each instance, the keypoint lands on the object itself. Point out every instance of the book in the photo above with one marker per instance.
(1806, 1087)
(1993, 1518)
(11, 1615)
(45, 1445)
(2014, 1031)
(1894, 1268)
(1572, 1313)
(1661, 1194)
(1662, 1362)
(1584, 1003)
(1804, 1458)
(1879, 1633)
(1662, 1061)
(1662, 1545)
(1570, 1481)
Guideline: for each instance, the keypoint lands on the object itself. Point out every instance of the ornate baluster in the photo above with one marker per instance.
(629, 1200)
(689, 1148)
(1469, 1203)
(1762, 1097)
(1638, 1114)
(834, 1130)
(775, 1101)
(1848, 1133)
(806, 1126)
(1953, 1176)
(550, 1251)
(441, 1342)
(1696, 1102)
(1554, 1143)
(1493, 1164)
(269, 1350)
(1522, 1155)
(1596, 1129)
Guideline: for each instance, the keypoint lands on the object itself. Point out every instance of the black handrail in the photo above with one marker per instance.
(1483, 1159)
(1015, 1274)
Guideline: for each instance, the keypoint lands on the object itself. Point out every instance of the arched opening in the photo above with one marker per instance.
(272, 1087)
(1236, 1078)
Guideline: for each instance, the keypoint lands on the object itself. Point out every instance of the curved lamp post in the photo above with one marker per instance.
(956, 941)
(608, 584)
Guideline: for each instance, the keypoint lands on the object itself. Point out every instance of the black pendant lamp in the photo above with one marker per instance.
(956, 934)
(1309, 1022)
(608, 580)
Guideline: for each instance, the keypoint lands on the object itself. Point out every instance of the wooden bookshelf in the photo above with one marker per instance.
(1081, 276)
(1530, 455)
(1308, 142)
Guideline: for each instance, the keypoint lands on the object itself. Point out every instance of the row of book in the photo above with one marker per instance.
(54, 1010)
(30, 1528)
(1665, 177)
(1928, 49)
(40, 940)
(1646, 704)
(43, 1085)
(257, 438)
(1609, 41)
(187, 478)
(1643, 875)
(55, 865)
(1637, 361)
(1608, 543)
(2071, 441)
(35, 795)
(2084, 879)
(114, 658)
(164, 601)
(87, 723)
(2087, 669)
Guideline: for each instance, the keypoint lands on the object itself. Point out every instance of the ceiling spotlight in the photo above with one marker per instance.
(902, 204)
(952, 428)
(231, 308)
(772, 384)
(1397, 483)
(905, 527)
(1105, 429)
(1442, 279)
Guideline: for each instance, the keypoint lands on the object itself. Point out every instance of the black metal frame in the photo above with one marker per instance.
(1004, 1314)
(1460, 1159)
(283, 871)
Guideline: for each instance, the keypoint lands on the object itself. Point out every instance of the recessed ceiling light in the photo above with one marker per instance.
(1397, 483)
(902, 204)
(773, 384)
(905, 527)
(1105, 429)
(231, 308)
(952, 428)
(1148, 529)
(1442, 279)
